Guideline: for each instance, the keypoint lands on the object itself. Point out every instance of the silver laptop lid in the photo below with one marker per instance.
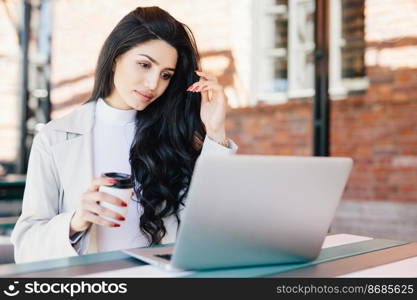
(254, 209)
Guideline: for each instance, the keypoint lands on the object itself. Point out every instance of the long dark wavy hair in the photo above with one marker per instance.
(169, 132)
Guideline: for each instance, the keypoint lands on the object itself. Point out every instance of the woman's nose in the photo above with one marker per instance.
(151, 82)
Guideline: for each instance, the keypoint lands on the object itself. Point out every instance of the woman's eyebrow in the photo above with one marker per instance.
(154, 61)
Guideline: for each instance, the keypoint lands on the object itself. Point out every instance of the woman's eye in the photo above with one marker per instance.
(166, 76)
(144, 65)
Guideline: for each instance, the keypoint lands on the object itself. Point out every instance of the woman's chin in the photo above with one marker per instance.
(137, 105)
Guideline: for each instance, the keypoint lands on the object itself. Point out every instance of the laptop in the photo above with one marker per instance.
(247, 210)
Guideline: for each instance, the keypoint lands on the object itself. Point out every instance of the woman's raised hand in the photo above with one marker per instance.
(213, 105)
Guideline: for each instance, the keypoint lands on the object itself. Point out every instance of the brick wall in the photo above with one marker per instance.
(378, 128)
(380, 136)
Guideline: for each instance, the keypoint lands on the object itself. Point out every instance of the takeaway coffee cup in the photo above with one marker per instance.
(121, 189)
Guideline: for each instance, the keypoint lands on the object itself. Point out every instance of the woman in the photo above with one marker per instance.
(151, 115)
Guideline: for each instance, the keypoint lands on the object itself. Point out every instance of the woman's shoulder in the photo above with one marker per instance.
(78, 121)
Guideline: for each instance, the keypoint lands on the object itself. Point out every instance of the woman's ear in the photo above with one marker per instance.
(113, 67)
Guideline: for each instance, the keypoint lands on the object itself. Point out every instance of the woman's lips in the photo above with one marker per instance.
(143, 96)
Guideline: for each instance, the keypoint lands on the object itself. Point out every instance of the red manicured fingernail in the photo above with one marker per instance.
(122, 218)
(124, 204)
(116, 225)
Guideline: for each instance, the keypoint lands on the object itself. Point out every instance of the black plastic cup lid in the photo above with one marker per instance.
(124, 181)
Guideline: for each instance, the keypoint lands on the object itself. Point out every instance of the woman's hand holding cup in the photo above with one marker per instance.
(91, 210)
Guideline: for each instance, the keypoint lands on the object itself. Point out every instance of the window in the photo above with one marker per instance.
(347, 47)
(283, 61)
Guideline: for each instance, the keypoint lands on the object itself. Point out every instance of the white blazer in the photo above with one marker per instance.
(60, 170)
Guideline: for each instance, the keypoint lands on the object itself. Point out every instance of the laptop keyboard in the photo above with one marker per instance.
(164, 256)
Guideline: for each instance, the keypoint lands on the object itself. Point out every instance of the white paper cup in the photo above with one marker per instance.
(122, 189)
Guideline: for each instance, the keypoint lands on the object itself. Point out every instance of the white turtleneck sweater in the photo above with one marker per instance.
(112, 137)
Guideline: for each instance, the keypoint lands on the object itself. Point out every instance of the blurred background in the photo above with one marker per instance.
(266, 54)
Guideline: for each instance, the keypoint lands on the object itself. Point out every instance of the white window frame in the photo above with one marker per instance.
(261, 71)
(340, 87)
(294, 89)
